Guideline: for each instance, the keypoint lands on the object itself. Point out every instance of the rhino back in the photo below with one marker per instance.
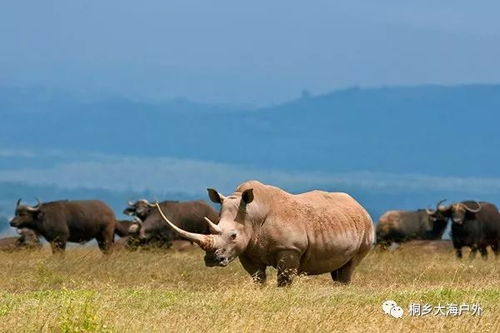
(327, 229)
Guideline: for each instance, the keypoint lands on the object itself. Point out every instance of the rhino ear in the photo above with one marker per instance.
(215, 196)
(247, 196)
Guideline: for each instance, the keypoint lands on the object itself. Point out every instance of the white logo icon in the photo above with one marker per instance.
(388, 305)
(391, 308)
(397, 312)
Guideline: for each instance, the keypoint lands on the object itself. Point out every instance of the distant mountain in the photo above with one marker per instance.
(425, 129)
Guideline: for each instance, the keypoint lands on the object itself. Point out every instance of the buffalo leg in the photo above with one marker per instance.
(484, 252)
(105, 244)
(496, 249)
(57, 246)
(458, 252)
(287, 265)
(105, 239)
(473, 252)
(258, 272)
(344, 273)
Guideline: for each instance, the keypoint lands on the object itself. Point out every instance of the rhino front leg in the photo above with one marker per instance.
(258, 272)
(287, 265)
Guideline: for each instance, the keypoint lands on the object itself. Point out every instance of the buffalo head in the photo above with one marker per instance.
(459, 211)
(140, 208)
(230, 237)
(440, 214)
(26, 216)
(135, 227)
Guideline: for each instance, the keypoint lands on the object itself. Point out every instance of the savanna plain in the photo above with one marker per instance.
(154, 291)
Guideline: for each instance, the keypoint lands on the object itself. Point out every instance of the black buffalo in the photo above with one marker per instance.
(27, 239)
(188, 215)
(400, 226)
(475, 225)
(60, 222)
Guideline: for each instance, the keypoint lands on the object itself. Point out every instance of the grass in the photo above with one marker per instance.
(158, 291)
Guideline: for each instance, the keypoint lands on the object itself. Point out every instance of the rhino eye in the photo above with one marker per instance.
(233, 236)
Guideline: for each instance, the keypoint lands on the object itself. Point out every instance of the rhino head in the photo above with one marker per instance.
(231, 236)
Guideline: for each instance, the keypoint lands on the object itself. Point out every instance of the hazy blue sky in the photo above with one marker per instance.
(246, 52)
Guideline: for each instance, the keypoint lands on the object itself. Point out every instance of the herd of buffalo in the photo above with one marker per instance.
(473, 224)
(310, 233)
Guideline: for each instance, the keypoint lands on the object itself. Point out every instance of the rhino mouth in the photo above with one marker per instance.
(213, 261)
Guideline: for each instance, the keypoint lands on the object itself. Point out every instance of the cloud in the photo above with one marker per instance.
(16, 153)
(166, 174)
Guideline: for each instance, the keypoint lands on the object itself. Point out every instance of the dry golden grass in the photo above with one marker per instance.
(155, 291)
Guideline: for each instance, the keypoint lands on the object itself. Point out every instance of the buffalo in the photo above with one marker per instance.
(65, 221)
(126, 230)
(27, 239)
(474, 224)
(396, 226)
(310, 233)
(188, 215)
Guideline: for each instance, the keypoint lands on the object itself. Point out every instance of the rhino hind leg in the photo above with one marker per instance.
(288, 262)
(344, 273)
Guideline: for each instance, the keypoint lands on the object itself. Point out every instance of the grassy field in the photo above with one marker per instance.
(154, 291)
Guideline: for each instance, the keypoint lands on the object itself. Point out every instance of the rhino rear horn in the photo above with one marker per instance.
(214, 228)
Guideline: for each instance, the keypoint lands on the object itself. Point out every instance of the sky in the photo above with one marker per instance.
(254, 52)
